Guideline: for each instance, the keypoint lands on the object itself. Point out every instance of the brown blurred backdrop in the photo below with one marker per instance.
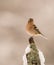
(14, 15)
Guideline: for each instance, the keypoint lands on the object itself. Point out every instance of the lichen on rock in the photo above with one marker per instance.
(32, 54)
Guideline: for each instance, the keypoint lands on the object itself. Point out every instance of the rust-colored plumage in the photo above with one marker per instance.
(32, 29)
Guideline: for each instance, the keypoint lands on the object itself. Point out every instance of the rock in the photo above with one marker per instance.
(33, 56)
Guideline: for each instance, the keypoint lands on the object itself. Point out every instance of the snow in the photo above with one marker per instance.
(42, 59)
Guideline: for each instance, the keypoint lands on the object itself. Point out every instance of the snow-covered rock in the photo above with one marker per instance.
(41, 56)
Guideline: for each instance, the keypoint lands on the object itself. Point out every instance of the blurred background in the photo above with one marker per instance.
(14, 15)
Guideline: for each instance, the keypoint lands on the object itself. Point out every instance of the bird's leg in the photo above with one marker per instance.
(31, 40)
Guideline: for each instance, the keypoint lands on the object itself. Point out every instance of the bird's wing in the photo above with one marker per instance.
(35, 28)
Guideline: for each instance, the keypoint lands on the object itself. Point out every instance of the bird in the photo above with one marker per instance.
(32, 29)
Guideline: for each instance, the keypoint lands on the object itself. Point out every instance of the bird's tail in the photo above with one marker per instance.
(42, 36)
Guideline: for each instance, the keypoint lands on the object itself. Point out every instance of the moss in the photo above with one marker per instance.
(33, 56)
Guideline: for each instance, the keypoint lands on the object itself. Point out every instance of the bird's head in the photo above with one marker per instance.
(30, 20)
